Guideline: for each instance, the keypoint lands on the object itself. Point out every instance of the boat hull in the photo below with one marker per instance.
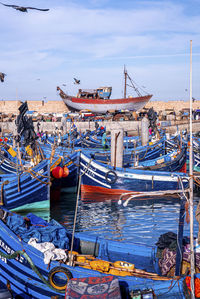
(23, 273)
(26, 190)
(99, 178)
(103, 106)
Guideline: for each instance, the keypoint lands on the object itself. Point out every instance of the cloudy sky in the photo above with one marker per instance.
(92, 40)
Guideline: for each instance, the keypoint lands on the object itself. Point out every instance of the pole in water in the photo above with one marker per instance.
(192, 263)
(145, 130)
(117, 147)
(179, 249)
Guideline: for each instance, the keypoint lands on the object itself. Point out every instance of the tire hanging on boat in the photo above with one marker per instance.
(54, 283)
(111, 180)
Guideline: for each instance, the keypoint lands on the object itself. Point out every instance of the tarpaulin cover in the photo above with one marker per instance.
(41, 230)
(102, 287)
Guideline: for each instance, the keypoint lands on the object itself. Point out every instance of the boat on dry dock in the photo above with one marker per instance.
(99, 101)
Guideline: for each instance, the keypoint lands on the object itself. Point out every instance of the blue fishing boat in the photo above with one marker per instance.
(151, 157)
(174, 160)
(100, 178)
(140, 153)
(55, 156)
(37, 260)
(27, 188)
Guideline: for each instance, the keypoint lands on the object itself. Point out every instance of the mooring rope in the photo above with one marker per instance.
(2, 186)
(76, 210)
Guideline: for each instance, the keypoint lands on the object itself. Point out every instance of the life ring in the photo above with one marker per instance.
(111, 180)
(54, 283)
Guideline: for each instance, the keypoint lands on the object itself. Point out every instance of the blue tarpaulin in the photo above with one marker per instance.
(34, 227)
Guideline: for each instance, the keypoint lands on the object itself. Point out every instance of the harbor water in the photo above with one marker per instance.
(140, 221)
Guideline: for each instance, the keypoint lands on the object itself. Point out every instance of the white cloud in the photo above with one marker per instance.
(95, 42)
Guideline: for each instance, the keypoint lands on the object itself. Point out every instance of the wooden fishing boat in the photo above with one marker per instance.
(150, 151)
(104, 105)
(58, 158)
(38, 273)
(98, 100)
(27, 188)
(174, 160)
(196, 148)
(100, 178)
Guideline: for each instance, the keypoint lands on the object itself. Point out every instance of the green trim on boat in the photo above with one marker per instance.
(41, 205)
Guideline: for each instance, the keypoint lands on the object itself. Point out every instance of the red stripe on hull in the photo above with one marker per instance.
(101, 190)
(99, 194)
(109, 101)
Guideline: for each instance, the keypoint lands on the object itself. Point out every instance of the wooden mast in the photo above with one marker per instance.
(125, 81)
(192, 263)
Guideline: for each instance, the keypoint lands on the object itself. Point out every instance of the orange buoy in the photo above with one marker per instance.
(57, 172)
(65, 171)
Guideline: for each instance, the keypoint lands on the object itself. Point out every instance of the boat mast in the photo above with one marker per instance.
(192, 264)
(125, 80)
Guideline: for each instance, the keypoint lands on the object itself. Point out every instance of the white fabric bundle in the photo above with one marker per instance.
(50, 252)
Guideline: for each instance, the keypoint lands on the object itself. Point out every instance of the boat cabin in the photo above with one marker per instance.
(104, 92)
(99, 93)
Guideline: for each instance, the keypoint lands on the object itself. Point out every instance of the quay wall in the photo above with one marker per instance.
(132, 127)
(59, 106)
(176, 105)
(38, 106)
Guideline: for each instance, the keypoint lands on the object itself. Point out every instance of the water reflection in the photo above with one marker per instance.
(141, 221)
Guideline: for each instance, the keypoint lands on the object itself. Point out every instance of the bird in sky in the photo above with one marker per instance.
(23, 8)
(76, 81)
(2, 76)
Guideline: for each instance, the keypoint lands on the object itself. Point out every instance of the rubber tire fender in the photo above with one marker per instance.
(111, 181)
(56, 270)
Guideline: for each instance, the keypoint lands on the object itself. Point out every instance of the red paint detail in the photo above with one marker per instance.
(98, 280)
(184, 168)
(110, 101)
(102, 190)
(57, 172)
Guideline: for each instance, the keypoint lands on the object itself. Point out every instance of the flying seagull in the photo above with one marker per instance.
(2, 76)
(76, 81)
(23, 8)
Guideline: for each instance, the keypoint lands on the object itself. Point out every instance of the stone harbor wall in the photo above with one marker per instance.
(59, 106)
(38, 106)
(132, 127)
(176, 105)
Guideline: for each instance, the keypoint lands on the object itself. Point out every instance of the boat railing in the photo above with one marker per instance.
(149, 195)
